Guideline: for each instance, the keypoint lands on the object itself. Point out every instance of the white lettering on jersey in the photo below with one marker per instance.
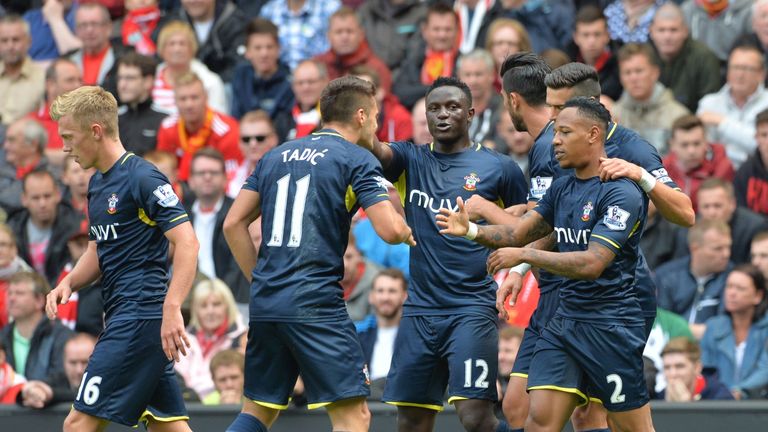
(570, 235)
(616, 218)
(426, 201)
(381, 182)
(166, 196)
(309, 154)
(539, 186)
(105, 232)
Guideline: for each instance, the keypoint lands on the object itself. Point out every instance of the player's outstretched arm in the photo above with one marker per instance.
(85, 272)
(245, 210)
(673, 205)
(172, 331)
(388, 224)
(480, 208)
(382, 152)
(587, 265)
(531, 226)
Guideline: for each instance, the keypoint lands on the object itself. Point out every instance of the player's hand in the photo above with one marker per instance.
(475, 206)
(173, 334)
(510, 288)
(59, 295)
(614, 168)
(453, 223)
(504, 258)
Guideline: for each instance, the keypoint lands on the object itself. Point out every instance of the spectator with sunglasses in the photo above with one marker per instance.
(257, 137)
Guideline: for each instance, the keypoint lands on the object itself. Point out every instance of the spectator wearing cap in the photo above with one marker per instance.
(34, 345)
(139, 117)
(263, 82)
(23, 151)
(44, 226)
(198, 125)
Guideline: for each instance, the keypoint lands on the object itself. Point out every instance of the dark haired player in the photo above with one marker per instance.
(593, 345)
(306, 192)
(448, 334)
(133, 215)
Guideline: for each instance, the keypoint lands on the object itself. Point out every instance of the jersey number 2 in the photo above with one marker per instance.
(616, 396)
(297, 215)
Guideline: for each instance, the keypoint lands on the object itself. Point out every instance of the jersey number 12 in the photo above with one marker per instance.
(297, 215)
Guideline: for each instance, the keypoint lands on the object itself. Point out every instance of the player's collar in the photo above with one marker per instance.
(478, 146)
(613, 129)
(328, 132)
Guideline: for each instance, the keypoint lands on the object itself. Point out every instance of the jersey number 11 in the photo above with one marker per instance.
(297, 215)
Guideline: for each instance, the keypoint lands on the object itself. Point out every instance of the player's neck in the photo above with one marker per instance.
(536, 119)
(111, 151)
(349, 134)
(589, 171)
(457, 146)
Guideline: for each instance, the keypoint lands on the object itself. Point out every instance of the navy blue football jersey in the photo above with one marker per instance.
(130, 207)
(309, 190)
(612, 214)
(449, 274)
(622, 143)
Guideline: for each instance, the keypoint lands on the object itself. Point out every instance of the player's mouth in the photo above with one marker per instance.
(559, 154)
(443, 126)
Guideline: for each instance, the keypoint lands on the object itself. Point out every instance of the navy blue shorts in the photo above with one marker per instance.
(460, 351)
(328, 356)
(128, 378)
(544, 312)
(602, 361)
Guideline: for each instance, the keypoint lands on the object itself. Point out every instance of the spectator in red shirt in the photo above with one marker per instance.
(394, 120)
(197, 126)
(692, 159)
(97, 58)
(751, 182)
(349, 48)
(309, 80)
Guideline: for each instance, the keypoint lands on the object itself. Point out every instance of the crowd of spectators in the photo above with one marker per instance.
(207, 87)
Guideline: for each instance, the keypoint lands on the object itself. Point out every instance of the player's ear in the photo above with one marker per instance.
(97, 131)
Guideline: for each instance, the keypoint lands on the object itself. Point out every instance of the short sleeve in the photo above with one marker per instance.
(619, 212)
(158, 200)
(512, 188)
(368, 181)
(540, 171)
(546, 205)
(399, 161)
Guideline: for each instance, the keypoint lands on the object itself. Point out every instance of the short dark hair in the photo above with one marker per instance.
(441, 9)
(748, 46)
(758, 280)
(686, 122)
(259, 26)
(683, 345)
(342, 97)
(210, 153)
(583, 79)
(761, 117)
(51, 73)
(451, 82)
(632, 49)
(227, 357)
(589, 14)
(524, 73)
(394, 274)
(592, 109)
(717, 183)
(147, 65)
(38, 172)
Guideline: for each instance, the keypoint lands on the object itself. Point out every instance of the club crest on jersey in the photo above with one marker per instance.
(586, 211)
(616, 218)
(470, 182)
(165, 195)
(112, 203)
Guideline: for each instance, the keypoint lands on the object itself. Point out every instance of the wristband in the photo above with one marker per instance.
(521, 269)
(647, 181)
(471, 231)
